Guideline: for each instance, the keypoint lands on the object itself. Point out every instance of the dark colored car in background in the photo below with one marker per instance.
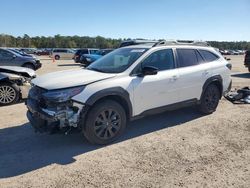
(247, 60)
(87, 59)
(43, 52)
(11, 58)
(28, 50)
(82, 51)
(22, 53)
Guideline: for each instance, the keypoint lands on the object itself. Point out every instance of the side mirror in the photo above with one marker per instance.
(149, 70)
(228, 59)
(14, 56)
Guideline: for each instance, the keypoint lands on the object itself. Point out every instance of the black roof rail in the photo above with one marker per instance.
(180, 42)
(136, 42)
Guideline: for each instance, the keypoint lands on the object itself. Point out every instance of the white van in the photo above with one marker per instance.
(62, 54)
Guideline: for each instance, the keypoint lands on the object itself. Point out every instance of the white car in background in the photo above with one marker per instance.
(62, 53)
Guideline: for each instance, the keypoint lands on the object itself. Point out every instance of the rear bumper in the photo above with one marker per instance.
(76, 59)
(228, 89)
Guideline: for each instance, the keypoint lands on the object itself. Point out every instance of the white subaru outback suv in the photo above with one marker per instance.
(128, 83)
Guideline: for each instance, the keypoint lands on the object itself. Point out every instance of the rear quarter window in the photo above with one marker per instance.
(208, 56)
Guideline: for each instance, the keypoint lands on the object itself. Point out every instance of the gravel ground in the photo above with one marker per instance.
(172, 149)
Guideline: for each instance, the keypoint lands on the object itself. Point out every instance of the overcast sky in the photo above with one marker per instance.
(153, 19)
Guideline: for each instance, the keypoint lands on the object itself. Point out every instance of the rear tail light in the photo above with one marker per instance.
(229, 66)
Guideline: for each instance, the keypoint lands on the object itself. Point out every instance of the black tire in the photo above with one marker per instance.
(105, 122)
(249, 69)
(29, 65)
(9, 93)
(210, 99)
(57, 57)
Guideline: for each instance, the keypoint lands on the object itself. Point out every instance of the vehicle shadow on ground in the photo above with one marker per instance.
(22, 150)
(242, 75)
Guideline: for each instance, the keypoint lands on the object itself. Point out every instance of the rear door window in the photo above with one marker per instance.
(187, 57)
(162, 59)
(208, 56)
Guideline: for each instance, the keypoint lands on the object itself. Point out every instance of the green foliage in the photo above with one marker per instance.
(59, 41)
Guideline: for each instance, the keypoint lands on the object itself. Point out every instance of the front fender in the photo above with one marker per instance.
(111, 92)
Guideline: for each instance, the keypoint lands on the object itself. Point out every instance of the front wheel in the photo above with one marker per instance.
(210, 99)
(9, 94)
(106, 121)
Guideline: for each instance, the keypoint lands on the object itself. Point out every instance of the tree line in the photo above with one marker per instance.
(59, 41)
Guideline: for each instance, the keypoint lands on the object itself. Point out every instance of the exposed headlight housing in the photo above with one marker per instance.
(62, 95)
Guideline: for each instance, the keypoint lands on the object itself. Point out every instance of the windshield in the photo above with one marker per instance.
(16, 53)
(118, 60)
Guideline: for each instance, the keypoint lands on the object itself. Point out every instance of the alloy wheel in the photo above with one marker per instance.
(7, 94)
(211, 99)
(107, 124)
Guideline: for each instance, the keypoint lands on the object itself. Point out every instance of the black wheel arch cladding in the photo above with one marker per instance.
(217, 80)
(115, 93)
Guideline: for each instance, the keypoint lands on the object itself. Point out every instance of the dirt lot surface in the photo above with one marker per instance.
(173, 149)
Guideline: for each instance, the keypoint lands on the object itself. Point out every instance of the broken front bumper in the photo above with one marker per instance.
(43, 119)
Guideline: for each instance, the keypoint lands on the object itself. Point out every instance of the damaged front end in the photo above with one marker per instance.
(20, 76)
(51, 111)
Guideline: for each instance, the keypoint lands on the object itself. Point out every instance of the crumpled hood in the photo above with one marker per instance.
(69, 78)
(18, 70)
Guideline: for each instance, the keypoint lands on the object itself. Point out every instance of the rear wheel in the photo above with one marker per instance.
(9, 93)
(106, 121)
(210, 99)
(57, 57)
